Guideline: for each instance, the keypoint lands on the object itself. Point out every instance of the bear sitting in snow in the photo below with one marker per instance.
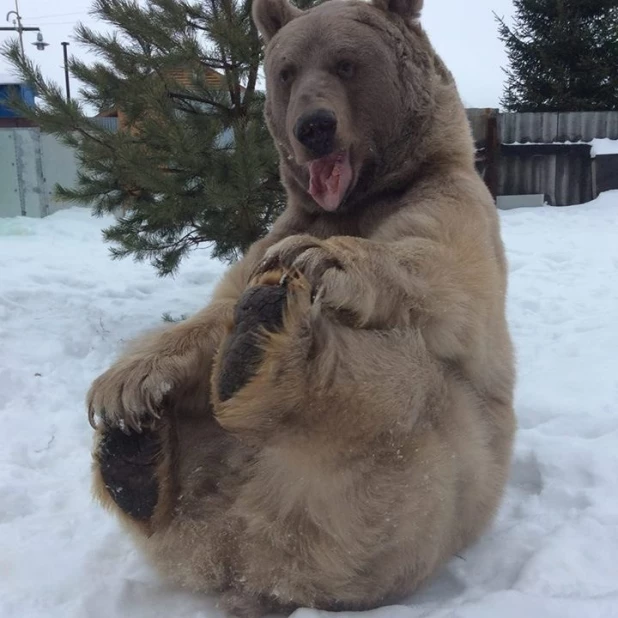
(338, 422)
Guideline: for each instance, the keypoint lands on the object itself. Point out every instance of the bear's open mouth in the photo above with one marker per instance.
(329, 179)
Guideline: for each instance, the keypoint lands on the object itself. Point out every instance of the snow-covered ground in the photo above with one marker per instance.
(65, 308)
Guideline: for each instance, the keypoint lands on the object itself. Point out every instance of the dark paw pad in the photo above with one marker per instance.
(259, 306)
(128, 466)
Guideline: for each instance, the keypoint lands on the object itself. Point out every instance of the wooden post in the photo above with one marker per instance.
(492, 152)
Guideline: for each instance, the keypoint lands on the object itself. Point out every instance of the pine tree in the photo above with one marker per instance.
(563, 56)
(192, 162)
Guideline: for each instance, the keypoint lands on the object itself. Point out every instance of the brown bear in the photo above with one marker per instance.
(338, 421)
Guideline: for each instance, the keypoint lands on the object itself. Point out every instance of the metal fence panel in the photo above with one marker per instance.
(550, 127)
(31, 164)
(562, 173)
(528, 127)
(60, 166)
(606, 172)
(585, 126)
(10, 205)
(29, 171)
(22, 172)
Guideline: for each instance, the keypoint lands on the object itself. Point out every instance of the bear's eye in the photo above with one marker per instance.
(345, 69)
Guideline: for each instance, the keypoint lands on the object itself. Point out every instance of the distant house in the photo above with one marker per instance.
(114, 119)
(9, 87)
(183, 76)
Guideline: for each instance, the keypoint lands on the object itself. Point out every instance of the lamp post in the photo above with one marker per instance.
(40, 44)
(18, 27)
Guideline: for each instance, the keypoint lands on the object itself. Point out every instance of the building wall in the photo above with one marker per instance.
(8, 91)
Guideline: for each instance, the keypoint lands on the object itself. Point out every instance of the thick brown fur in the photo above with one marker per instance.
(374, 439)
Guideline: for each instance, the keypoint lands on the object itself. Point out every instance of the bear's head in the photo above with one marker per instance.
(357, 101)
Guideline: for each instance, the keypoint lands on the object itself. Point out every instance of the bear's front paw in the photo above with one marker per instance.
(337, 270)
(302, 254)
(260, 308)
(130, 394)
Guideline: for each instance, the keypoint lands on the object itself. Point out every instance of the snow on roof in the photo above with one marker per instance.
(5, 78)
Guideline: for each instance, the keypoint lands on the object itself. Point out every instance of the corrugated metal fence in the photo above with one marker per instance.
(545, 153)
(564, 175)
(548, 128)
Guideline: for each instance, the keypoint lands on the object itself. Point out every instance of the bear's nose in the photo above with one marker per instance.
(316, 131)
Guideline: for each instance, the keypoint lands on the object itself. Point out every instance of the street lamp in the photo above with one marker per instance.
(17, 27)
(40, 43)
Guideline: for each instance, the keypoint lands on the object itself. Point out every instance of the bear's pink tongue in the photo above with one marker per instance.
(329, 180)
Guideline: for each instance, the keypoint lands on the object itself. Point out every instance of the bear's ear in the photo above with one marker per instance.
(408, 9)
(270, 16)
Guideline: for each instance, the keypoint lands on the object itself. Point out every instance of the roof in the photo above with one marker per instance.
(183, 76)
(6, 79)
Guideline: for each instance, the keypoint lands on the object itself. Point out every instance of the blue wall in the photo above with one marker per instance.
(25, 92)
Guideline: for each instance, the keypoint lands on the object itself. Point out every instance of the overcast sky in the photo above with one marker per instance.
(464, 34)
